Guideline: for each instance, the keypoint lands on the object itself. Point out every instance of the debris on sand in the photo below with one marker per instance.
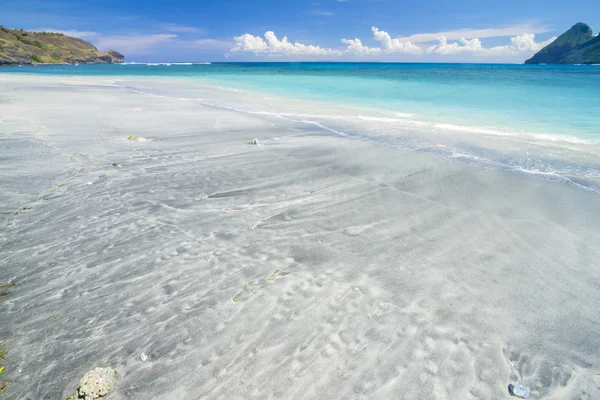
(97, 383)
(137, 139)
(3, 385)
(519, 390)
(143, 357)
(254, 141)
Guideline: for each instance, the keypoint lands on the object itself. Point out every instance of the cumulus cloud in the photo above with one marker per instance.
(522, 44)
(356, 47)
(526, 42)
(272, 45)
(390, 45)
(462, 46)
(249, 43)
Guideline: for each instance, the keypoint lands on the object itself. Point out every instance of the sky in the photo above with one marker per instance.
(508, 31)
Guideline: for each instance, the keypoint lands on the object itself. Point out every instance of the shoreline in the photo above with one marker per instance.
(305, 266)
(571, 161)
(453, 121)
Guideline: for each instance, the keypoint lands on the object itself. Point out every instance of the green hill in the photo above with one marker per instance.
(578, 45)
(21, 47)
(586, 53)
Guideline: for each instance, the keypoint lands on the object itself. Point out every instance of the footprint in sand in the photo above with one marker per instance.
(238, 297)
(255, 286)
(252, 288)
(273, 275)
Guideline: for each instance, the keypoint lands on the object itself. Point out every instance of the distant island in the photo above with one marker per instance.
(18, 47)
(578, 45)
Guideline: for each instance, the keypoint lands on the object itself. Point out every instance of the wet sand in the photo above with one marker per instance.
(307, 267)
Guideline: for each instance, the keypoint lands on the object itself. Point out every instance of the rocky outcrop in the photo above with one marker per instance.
(18, 47)
(108, 57)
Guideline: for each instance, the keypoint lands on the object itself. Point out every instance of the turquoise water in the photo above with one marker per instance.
(544, 100)
(551, 112)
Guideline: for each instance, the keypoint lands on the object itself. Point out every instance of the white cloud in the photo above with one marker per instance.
(526, 42)
(249, 43)
(474, 33)
(462, 46)
(522, 45)
(390, 45)
(356, 47)
(273, 46)
(134, 44)
(73, 33)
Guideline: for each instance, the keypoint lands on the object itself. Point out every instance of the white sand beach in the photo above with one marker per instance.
(306, 267)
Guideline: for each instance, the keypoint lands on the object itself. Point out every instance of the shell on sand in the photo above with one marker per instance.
(254, 141)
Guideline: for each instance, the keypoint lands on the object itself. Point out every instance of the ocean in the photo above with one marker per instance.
(537, 120)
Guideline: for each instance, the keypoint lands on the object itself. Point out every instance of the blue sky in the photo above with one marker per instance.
(350, 30)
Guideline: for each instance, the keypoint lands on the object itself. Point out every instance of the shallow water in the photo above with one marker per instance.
(540, 120)
(545, 100)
